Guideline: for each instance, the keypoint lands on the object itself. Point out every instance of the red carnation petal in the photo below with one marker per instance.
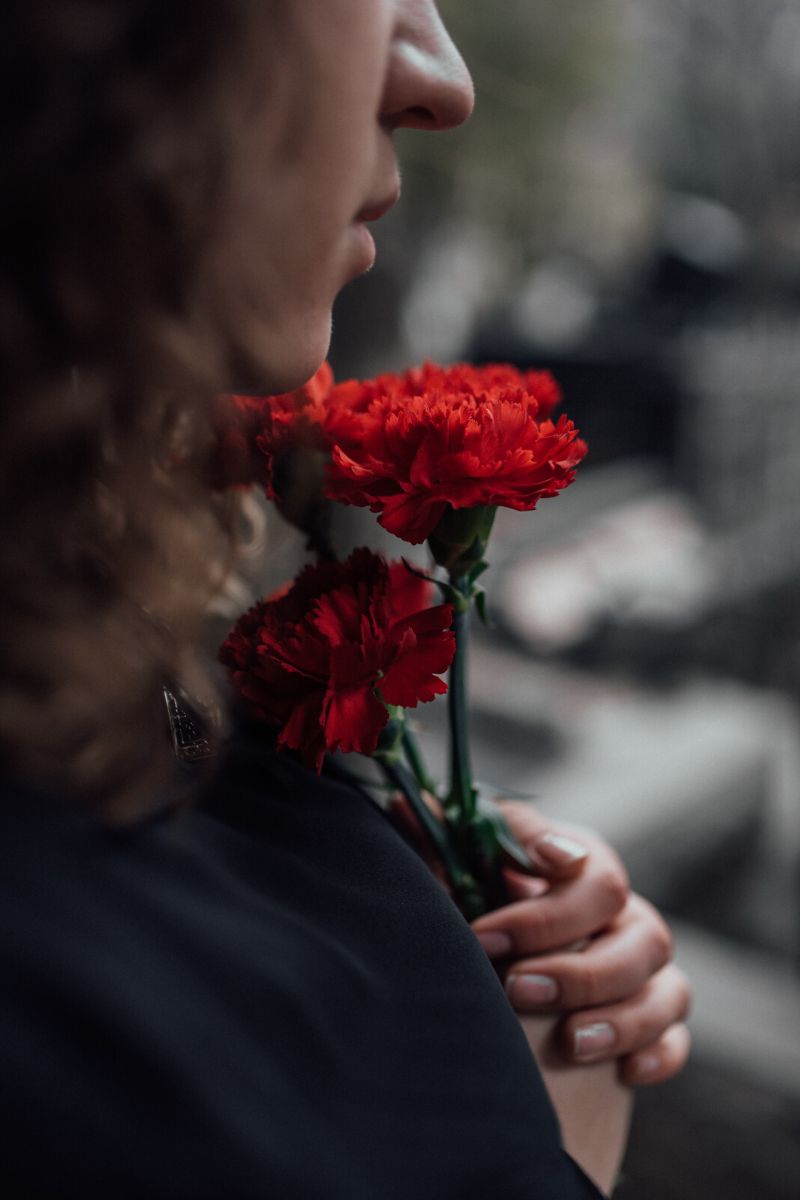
(310, 659)
(354, 719)
(462, 436)
(320, 384)
(406, 685)
(338, 616)
(303, 730)
(436, 621)
(425, 650)
(412, 517)
(408, 593)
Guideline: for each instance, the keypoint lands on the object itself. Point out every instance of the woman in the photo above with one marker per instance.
(243, 983)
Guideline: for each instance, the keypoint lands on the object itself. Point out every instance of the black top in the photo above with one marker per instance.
(268, 997)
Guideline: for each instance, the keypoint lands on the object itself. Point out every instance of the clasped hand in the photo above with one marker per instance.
(576, 941)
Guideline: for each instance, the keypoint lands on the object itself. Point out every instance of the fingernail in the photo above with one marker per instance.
(591, 1041)
(496, 945)
(531, 990)
(560, 849)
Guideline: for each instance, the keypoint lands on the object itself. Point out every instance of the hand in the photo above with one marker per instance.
(576, 940)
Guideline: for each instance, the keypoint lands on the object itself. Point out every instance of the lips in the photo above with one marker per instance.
(373, 210)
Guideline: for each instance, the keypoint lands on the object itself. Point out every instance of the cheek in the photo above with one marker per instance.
(308, 246)
(293, 272)
(330, 108)
(293, 221)
(308, 155)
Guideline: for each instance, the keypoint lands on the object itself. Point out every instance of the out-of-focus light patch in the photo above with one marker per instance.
(782, 48)
(458, 282)
(557, 306)
(705, 233)
(648, 561)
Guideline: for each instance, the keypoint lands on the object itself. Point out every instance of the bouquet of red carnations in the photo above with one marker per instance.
(335, 659)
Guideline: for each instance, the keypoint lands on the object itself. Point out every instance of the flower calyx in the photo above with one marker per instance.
(460, 538)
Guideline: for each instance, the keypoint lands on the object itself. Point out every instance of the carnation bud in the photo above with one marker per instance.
(460, 539)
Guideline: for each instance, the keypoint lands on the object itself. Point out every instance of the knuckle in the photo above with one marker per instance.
(659, 938)
(640, 1030)
(535, 927)
(673, 1051)
(584, 985)
(612, 885)
(663, 942)
(543, 932)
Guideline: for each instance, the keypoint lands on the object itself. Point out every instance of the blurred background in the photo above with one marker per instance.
(624, 209)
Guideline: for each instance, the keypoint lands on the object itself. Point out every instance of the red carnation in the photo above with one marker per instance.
(235, 459)
(460, 379)
(323, 659)
(252, 431)
(292, 425)
(440, 439)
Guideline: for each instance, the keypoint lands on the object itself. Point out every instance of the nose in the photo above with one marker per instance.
(427, 85)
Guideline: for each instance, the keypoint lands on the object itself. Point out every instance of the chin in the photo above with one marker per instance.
(288, 361)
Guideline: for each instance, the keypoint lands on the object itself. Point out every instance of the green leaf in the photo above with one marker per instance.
(485, 834)
(413, 569)
(480, 606)
(478, 570)
(507, 841)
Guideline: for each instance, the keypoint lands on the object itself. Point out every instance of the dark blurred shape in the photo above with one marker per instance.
(713, 1133)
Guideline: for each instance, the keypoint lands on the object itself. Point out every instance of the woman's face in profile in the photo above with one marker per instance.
(340, 77)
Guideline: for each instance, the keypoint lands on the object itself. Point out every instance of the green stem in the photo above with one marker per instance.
(462, 799)
(413, 754)
(462, 883)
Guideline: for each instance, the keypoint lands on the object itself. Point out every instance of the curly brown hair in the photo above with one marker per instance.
(118, 322)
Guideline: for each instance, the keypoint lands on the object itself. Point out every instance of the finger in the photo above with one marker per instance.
(558, 851)
(525, 887)
(554, 851)
(555, 854)
(659, 1062)
(630, 1026)
(614, 965)
(570, 910)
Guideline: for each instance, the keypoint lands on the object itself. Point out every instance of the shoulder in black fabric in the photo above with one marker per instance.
(281, 1003)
